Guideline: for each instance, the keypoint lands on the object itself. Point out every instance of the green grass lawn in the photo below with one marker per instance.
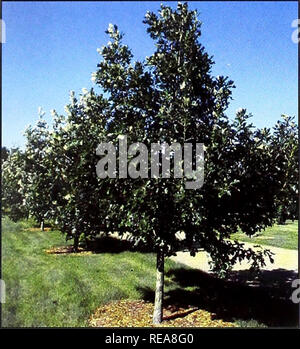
(64, 290)
(285, 236)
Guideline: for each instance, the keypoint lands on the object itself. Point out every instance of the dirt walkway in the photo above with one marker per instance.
(283, 259)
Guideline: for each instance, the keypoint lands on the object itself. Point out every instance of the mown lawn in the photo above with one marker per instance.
(64, 290)
(284, 236)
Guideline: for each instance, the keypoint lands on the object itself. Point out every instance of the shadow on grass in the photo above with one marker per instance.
(102, 244)
(242, 296)
(109, 244)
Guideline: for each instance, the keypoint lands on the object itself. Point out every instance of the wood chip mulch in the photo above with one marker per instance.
(126, 313)
(65, 250)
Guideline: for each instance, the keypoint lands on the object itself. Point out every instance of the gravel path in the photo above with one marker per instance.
(283, 259)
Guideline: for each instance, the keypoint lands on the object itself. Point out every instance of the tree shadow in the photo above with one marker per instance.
(110, 244)
(264, 298)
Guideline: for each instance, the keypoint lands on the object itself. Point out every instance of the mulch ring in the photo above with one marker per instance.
(68, 250)
(34, 229)
(138, 313)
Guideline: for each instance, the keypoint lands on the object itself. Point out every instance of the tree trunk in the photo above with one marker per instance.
(42, 225)
(76, 242)
(282, 218)
(159, 291)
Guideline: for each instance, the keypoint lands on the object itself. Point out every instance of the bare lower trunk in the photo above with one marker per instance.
(282, 219)
(159, 291)
(76, 242)
(42, 225)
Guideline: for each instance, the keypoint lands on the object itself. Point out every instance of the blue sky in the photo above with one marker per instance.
(51, 48)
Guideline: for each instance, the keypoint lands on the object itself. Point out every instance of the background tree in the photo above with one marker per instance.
(12, 185)
(76, 190)
(173, 97)
(285, 149)
(4, 153)
(38, 181)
